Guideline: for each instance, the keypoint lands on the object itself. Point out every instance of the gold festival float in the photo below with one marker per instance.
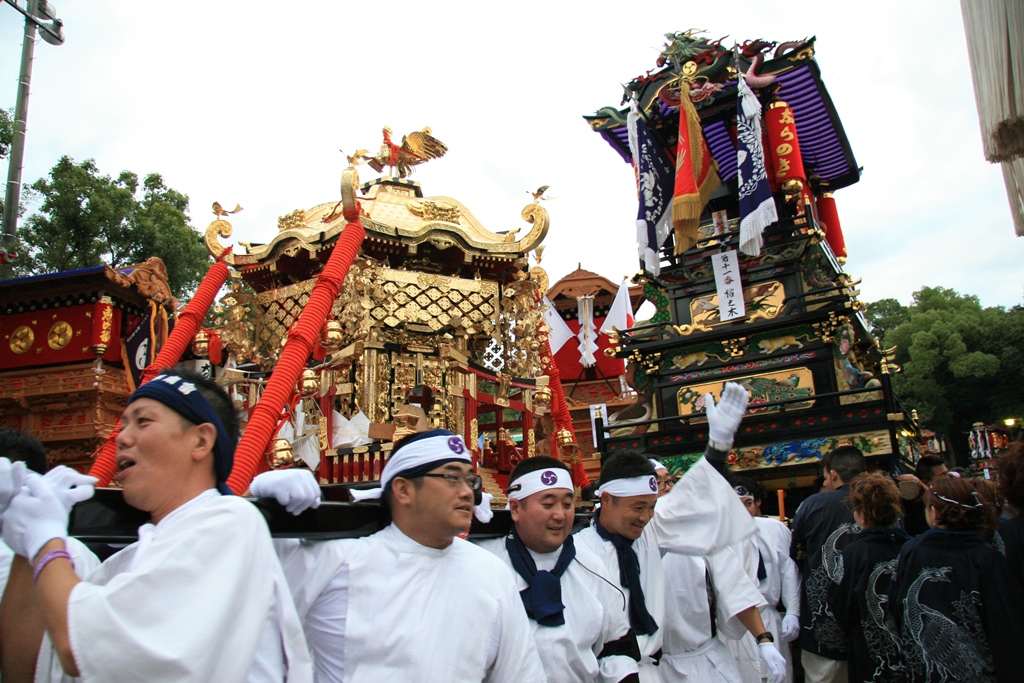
(427, 320)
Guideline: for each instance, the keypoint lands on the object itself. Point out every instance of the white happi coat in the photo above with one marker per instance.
(385, 608)
(698, 517)
(200, 597)
(83, 560)
(593, 618)
(782, 583)
(691, 652)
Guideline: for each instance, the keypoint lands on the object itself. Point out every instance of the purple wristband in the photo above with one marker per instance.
(47, 559)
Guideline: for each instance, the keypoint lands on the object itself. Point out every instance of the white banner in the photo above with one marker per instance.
(728, 286)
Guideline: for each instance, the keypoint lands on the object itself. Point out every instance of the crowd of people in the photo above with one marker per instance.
(672, 580)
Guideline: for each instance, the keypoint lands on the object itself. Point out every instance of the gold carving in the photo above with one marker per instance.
(435, 210)
(294, 220)
(22, 338)
(218, 227)
(59, 335)
(763, 300)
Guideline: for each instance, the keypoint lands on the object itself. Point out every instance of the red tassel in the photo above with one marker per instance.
(828, 216)
(216, 352)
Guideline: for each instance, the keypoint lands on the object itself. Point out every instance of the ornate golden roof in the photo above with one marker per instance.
(399, 223)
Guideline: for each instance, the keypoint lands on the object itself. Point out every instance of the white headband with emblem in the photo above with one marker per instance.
(630, 486)
(658, 465)
(540, 480)
(418, 457)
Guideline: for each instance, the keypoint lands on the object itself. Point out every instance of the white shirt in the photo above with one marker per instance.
(593, 618)
(196, 599)
(783, 576)
(386, 608)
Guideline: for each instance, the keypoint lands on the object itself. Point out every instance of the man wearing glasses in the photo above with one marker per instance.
(413, 602)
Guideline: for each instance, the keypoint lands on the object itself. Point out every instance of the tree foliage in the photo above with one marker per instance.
(6, 132)
(87, 218)
(961, 363)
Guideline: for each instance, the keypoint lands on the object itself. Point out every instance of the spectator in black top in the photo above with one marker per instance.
(860, 600)
(1011, 487)
(822, 527)
(929, 468)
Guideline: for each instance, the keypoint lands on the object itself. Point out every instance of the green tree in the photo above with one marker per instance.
(961, 363)
(884, 315)
(87, 218)
(6, 132)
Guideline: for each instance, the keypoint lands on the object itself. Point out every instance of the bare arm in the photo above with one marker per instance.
(751, 620)
(21, 625)
(53, 591)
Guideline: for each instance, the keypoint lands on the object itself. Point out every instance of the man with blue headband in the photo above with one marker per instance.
(412, 602)
(200, 596)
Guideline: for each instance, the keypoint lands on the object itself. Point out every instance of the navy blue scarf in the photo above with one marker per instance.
(640, 620)
(542, 596)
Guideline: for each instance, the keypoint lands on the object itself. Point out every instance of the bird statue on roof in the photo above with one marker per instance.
(539, 194)
(416, 148)
(219, 210)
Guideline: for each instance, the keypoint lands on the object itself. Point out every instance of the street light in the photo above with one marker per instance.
(40, 15)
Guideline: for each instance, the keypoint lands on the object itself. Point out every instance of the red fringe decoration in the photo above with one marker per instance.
(179, 339)
(216, 351)
(828, 216)
(301, 338)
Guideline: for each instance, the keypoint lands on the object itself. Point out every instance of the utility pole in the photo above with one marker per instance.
(40, 15)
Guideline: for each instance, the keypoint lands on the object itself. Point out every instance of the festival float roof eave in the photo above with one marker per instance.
(824, 146)
(71, 284)
(399, 223)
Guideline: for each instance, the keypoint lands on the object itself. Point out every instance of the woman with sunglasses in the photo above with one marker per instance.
(960, 612)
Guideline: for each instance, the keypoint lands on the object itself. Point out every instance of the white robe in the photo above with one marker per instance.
(83, 560)
(691, 652)
(699, 516)
(782, 583)
(200, 597)
(386, 608)
(593, 618)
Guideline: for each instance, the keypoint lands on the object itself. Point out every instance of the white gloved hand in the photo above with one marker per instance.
(12, 478)
(70, 486)
(724, 418)
(36, 516)
(296, 489)
(483, 511)
(775, 661)
(790, 628)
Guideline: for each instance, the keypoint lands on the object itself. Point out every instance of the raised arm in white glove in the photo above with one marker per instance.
(724, 417)
(790, 628)
(12, 478)
(296, 489)
(36, 516)
(775, 661)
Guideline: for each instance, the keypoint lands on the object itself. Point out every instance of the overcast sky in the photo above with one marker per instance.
(246, 102)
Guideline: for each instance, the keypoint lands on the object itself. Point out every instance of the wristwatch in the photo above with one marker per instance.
(765, 637)
(719, 446)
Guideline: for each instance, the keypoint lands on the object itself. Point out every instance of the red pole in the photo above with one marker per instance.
(170, 353)
(301, 338)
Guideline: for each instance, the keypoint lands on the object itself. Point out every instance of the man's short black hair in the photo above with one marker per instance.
(539, 462)
(846, 461)
(18, 445)
(753, 488)
(626, 465)
(925, 465)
